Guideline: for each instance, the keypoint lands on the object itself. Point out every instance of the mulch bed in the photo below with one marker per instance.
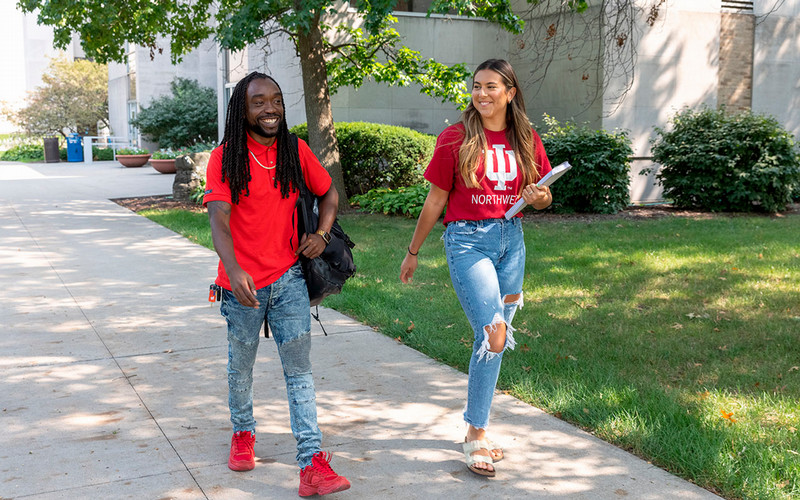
(166, 202)
(160, 202)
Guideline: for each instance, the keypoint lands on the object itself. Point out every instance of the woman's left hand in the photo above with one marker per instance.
(538, 197)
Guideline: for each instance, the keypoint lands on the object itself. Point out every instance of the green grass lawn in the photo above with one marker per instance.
(674, 338)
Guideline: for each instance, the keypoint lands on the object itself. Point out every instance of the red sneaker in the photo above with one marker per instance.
(319, 479)
(242, 456)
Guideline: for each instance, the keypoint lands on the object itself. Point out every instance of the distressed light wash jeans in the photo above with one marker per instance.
(284, 305)
(487, 263)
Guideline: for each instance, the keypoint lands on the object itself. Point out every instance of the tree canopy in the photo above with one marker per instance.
(373, 50)
(73, 97)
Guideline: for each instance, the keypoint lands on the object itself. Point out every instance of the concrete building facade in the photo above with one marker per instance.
(737, 54)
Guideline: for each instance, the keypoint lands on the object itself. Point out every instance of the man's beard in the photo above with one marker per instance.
(258, 129)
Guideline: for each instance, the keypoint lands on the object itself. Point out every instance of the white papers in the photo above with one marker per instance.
(544, 181)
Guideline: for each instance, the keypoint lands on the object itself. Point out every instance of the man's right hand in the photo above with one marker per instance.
(242, 284)
(244, 288)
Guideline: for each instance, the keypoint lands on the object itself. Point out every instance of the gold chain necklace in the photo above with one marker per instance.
(259, 163)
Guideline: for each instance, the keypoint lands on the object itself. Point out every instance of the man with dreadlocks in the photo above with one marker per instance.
(252, 186)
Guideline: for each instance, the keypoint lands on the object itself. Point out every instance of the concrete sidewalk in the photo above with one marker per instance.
(114, 380)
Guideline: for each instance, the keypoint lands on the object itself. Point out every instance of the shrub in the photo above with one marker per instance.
(198, 192)
(375, 155)
(598, 181)
(62, 154)
(102, 154)
(401, 201)
(727, 162)
(24, 153)
(188, 116)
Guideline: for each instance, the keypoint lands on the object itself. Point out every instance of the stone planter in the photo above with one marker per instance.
(164, 166)
(133, 160)
(190, 173)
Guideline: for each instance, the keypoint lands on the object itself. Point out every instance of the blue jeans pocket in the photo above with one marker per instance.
(462, 228)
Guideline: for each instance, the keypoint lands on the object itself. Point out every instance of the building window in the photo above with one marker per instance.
(236, 68)
(130, 66)
(133, 105)
(133, 132)
(235, 65)
(419, 6)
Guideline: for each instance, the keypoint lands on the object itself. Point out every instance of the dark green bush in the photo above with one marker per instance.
(727, 162)
(24, 153)
(401, 201)
(375, 155)
(186, 117)
(62, 154)
(598, 181)
(102, 154)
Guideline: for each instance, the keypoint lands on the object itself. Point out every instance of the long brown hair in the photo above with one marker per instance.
(518, 130)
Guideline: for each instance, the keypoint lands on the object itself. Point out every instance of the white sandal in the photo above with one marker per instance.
(494, 446)
(470, 448)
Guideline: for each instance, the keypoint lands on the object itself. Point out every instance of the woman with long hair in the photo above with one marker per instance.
(480, 168)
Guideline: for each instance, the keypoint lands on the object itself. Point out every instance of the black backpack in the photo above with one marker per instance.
(326, 274)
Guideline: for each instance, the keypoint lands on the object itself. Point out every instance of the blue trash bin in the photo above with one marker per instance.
(74, 148)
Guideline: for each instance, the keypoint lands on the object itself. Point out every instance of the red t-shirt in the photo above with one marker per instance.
(499, 184)
(263, 225)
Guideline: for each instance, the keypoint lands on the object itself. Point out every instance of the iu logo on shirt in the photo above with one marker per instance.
(501, 166)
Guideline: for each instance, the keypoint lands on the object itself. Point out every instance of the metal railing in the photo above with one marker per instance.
(108, 141)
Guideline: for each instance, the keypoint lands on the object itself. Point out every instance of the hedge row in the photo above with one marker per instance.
(711, 160)
(379, 156)
(597, 182)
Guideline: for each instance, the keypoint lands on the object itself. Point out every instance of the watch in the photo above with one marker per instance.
(325, 236)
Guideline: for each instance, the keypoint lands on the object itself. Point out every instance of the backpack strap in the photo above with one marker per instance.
(303, 201)
(316, 317)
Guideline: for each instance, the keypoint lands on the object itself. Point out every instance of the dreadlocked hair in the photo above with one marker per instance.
(235, 155)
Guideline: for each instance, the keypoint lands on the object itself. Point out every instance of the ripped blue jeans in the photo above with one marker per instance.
(487, 266)
(284, 305)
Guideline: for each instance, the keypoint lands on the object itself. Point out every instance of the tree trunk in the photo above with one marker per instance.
(321, 134)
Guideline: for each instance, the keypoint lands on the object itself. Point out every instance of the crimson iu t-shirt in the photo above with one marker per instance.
(263, 225)
(498, 174)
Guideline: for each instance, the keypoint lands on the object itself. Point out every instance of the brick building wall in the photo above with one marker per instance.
(736, 43)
